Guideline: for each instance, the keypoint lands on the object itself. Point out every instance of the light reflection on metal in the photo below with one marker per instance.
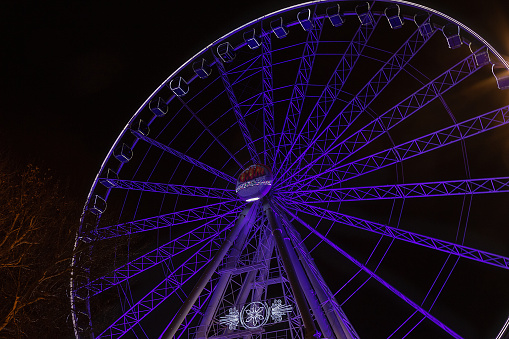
(504, 332)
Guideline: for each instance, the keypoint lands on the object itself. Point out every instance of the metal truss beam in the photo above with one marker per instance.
(400, 234)
(269, 142)
(232, 262)
(238, 112)
(309, 290)
(190, 160)
(413, 190)
(181, 217)
(163, 290)
(162, 253)
(410, 149)
(261, 262)
(300, 87)
(366, 95)
(377, 278)
(282, 244)
(343, 329)
(200, 304)
(247, 216)
(195, 191)
(333, 88)
(404, 109)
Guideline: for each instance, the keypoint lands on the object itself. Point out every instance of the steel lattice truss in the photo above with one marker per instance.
(299, 90)
(340, 108)
(238, 112)
(333, 88)
(268, 100)
(163, 290)
(415, 190)
(369, 92)
(200, 192)
(401, 111)
(418, 239)
(189, 159)
(162, 221)
(198, 236)
(410, 149)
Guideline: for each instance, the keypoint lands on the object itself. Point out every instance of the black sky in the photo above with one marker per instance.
(74, 72)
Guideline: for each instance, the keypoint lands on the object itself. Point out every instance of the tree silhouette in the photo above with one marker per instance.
(38, 222)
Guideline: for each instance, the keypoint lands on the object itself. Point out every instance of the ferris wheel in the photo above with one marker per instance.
(334, 169)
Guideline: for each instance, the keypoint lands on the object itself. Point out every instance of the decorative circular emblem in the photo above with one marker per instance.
(254, 315)
(254, 182)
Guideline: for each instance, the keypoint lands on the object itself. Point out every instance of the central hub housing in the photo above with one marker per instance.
(254, 182)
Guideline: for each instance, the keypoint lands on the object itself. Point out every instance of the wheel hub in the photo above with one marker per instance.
(254, 182)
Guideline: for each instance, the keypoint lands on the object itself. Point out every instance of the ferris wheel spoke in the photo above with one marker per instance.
(210, 132)
(413, 190)
(404, 109)
(170, 285)
(222, 290)
(325, 295)
(366, 95)
(191, 239)
(195, 191)
(410, 149)
(190, 160)
(333, 88)
(168, 220)
(269, 142)
(376, 277)
(299, 91)
(238, 113)
(400, 234)
(237, 235)
(200, 304)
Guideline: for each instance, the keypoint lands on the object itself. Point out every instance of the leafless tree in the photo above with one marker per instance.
(37, 227)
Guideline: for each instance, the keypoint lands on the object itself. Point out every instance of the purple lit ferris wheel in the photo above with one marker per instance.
(335, 169)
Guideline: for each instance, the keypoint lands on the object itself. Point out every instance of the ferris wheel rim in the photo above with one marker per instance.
(125, 130)
(127, 127)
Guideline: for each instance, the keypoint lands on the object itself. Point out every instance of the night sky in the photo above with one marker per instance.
(75, 72)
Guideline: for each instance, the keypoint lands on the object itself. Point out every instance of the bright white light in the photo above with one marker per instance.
(252, 199)
(504, 328)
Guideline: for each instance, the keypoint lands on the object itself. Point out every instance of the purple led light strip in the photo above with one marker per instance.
(195, 237)
(341, 150)
(167, 220)
(411, 237)
(413, 190)
(333, 88)
(163, 290)
(410, 149)
(368, 93)
(299, 91)
(374, 276)
(195, 191)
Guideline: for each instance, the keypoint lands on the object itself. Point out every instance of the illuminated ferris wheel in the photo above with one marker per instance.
(330, 170)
